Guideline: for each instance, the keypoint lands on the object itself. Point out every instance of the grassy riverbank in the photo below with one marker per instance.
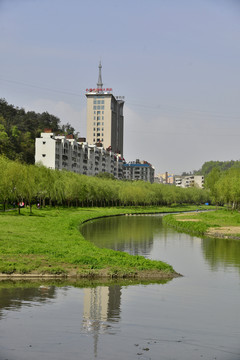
(48, 242)
(220, 223)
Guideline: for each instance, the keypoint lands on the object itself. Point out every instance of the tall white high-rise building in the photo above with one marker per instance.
(105, 117)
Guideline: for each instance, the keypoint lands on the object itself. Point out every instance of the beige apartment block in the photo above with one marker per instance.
(105, 117)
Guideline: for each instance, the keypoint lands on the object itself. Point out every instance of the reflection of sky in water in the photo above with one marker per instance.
(195, 316)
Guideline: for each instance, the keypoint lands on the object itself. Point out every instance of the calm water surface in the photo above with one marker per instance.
(193, 317)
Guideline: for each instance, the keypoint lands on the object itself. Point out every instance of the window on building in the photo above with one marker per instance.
(102, 112)
(94, 112)
(102, 102)
(102, 123)
(102, 117)
(102, 134)
(98, 129)
(98, 140)
(102, 107)
(98, 117)
(98, 123)
(102, 129)
(98, 107)
(94, 129)
(94, 118)
(93, 134)
(93, 140)
(94, 123)
(98, 134)
(102, 139)
(94, 107)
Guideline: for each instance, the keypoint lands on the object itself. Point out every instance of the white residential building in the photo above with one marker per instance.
(62, 153)
(190, 181)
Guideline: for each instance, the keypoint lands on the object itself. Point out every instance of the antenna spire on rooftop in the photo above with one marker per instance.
(100, 83)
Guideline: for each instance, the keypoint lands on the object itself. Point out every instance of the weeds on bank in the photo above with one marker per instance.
(49, 242)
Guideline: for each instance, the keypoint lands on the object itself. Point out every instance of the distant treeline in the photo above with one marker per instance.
(34, 184)
(220, 165)
(224, 186)
(18, 130)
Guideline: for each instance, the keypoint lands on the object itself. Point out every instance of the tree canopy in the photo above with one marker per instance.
(18, 130)
(208, 166)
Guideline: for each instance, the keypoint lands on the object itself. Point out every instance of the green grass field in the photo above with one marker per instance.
(200, 223)
(49, 242)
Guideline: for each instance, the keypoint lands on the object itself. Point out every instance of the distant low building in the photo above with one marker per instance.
(190, 181)
(138, 170)
(165, 178)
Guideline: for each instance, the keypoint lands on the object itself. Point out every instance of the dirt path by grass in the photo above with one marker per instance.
(225, 231)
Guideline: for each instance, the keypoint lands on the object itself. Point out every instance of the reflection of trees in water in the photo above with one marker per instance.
(221, 252)
(133, 234)
(16, 297)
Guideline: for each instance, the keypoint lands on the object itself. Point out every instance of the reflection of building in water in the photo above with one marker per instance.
(114, 302)
(95, 307)
(101, 304)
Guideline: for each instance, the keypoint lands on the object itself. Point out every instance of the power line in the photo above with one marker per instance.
(39, 87)
(154, 107)
(164, 107)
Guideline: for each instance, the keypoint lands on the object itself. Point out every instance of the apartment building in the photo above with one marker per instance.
(62, 153)
(105, 119)
(189, 181)
(102, 150)
(138, 170)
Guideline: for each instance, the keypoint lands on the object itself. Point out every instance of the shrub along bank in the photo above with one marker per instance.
(49, 242)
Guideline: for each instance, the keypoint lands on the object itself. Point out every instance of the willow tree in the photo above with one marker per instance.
(5, 189)
(28, 184)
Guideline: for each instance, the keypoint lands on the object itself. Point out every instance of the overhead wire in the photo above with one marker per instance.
(40, 87)
(162, 107)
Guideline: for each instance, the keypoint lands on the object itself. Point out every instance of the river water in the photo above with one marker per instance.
(192, 317)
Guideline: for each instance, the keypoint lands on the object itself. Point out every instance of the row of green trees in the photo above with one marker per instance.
(37, 184)
(224, 187)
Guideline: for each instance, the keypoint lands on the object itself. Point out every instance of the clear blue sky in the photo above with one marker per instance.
(176, 62)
